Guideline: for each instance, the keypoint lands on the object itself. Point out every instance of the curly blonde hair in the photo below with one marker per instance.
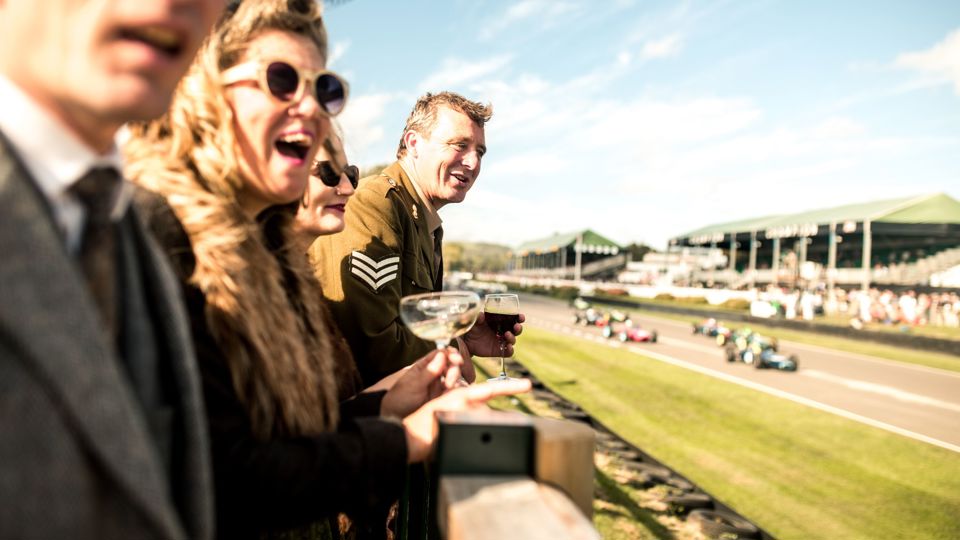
(262, 302)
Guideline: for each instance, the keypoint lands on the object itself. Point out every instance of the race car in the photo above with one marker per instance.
(628, 331)
(760, 355)
(587, 317)
(579, 303)
(594, 317)
(747, 335)
(712, 328)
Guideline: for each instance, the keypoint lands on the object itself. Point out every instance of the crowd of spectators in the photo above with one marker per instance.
(907, 308)
(883, 306)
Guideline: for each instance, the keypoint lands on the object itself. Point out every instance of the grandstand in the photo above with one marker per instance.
(906, 242)
(574, 255)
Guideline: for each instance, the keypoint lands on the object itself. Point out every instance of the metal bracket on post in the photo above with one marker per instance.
(484, 442)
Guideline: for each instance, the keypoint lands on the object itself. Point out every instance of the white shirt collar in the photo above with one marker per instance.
(55, 157)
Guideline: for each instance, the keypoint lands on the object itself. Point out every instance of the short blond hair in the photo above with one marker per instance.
(423, 117)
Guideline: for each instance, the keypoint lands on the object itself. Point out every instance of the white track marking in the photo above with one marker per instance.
(562, 329)
(889, 391)
(858, 356)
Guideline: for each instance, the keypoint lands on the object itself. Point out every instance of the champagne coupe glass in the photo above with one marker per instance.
(440, 316)
(501, 312)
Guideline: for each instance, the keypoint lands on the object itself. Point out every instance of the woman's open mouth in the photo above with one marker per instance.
(294, 146)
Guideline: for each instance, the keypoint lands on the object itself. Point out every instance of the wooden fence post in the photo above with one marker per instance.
(507, 475)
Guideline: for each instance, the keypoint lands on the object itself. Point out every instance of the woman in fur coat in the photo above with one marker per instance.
(224, 170)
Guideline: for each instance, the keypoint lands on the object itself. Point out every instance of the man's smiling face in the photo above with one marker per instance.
(447, 160)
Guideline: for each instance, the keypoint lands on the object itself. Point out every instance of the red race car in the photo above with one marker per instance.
(629, 331)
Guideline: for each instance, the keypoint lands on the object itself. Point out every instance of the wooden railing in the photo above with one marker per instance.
(506, 475)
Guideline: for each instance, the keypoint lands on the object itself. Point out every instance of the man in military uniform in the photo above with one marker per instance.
(391, 246)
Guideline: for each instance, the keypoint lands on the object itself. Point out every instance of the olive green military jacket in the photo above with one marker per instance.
(384, 253)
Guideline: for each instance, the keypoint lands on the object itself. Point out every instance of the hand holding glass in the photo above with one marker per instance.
(501, 312)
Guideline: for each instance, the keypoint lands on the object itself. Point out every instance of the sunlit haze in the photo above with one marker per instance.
(645, 120)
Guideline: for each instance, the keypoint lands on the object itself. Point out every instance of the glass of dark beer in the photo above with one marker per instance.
(501, 312)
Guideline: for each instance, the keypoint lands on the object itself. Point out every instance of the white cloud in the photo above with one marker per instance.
(533, 163)
(339, 49)
(546, 13)
(942, 60)
(362, 123)
(495, 216)
(838, 127)
(662, 48)
(457, 72)
(653, 123)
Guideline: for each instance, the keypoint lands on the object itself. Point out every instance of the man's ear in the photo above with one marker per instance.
(411, 140)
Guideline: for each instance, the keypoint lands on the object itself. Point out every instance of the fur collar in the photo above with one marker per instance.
(262, 304)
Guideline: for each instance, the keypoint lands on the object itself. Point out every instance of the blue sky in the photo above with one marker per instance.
(644, 120)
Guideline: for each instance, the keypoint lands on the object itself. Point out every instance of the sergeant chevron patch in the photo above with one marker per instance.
(376, 274)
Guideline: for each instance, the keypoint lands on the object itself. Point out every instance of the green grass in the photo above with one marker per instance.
(797, 472)
(616, 513)
(924, 358)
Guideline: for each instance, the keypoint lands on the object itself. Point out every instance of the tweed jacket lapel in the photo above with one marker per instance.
(165, 295)
(52, 318)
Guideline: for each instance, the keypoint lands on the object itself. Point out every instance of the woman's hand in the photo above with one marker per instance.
(427, 378)
(421, 426)
(386, 383)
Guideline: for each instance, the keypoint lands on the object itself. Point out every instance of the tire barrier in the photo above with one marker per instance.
(723, 525)
(925, 343)
(682, 498)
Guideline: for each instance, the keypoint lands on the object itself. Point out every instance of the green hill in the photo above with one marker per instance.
(475, 257)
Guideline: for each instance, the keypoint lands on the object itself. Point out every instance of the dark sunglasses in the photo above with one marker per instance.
(287, 83)
(327, 173)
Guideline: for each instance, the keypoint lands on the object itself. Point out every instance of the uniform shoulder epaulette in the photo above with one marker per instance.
(381, 184)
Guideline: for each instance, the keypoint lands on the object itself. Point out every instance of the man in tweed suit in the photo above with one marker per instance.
(100, 410)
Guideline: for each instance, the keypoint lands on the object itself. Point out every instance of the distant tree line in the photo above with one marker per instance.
(637, 251)
(475, 257)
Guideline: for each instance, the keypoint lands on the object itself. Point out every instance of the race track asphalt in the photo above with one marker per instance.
(914, 401)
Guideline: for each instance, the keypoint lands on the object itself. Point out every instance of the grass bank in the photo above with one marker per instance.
(796, 471)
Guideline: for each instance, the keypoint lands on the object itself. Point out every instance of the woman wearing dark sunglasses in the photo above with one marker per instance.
(324, 202)
(225, 169)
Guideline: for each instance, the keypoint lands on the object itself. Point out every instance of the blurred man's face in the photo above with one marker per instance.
(97, 64)
(448, 159)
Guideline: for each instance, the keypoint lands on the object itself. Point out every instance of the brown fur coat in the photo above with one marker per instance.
(264, 308)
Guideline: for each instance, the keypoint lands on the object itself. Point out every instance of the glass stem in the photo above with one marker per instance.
(503, 371)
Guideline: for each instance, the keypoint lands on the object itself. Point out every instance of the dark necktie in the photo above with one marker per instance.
(98, 248)
(438, 257)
